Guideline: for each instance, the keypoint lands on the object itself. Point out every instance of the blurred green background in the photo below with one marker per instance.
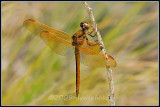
(34, 75)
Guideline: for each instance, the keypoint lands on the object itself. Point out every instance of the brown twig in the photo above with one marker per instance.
(109, 70)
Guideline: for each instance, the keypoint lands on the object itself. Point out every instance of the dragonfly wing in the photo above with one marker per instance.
(37, 27)
(111, 62)
(91, 56)
(94, 46)
(57, 44)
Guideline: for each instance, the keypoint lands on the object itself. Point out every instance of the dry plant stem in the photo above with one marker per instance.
(109, 70)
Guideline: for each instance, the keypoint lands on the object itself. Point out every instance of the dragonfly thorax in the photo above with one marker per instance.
(77, 41)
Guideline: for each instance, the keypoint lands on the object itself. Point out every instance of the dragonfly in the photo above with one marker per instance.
(87, 52)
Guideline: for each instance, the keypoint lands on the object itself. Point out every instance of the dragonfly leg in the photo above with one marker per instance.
(88, 42)
(90, 33)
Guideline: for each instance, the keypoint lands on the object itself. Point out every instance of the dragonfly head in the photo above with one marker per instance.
(85, 25)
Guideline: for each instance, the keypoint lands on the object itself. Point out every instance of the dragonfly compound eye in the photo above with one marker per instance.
(85, 25)
(81, 24)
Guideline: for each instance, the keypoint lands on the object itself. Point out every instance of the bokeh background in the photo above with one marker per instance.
(34, 75)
